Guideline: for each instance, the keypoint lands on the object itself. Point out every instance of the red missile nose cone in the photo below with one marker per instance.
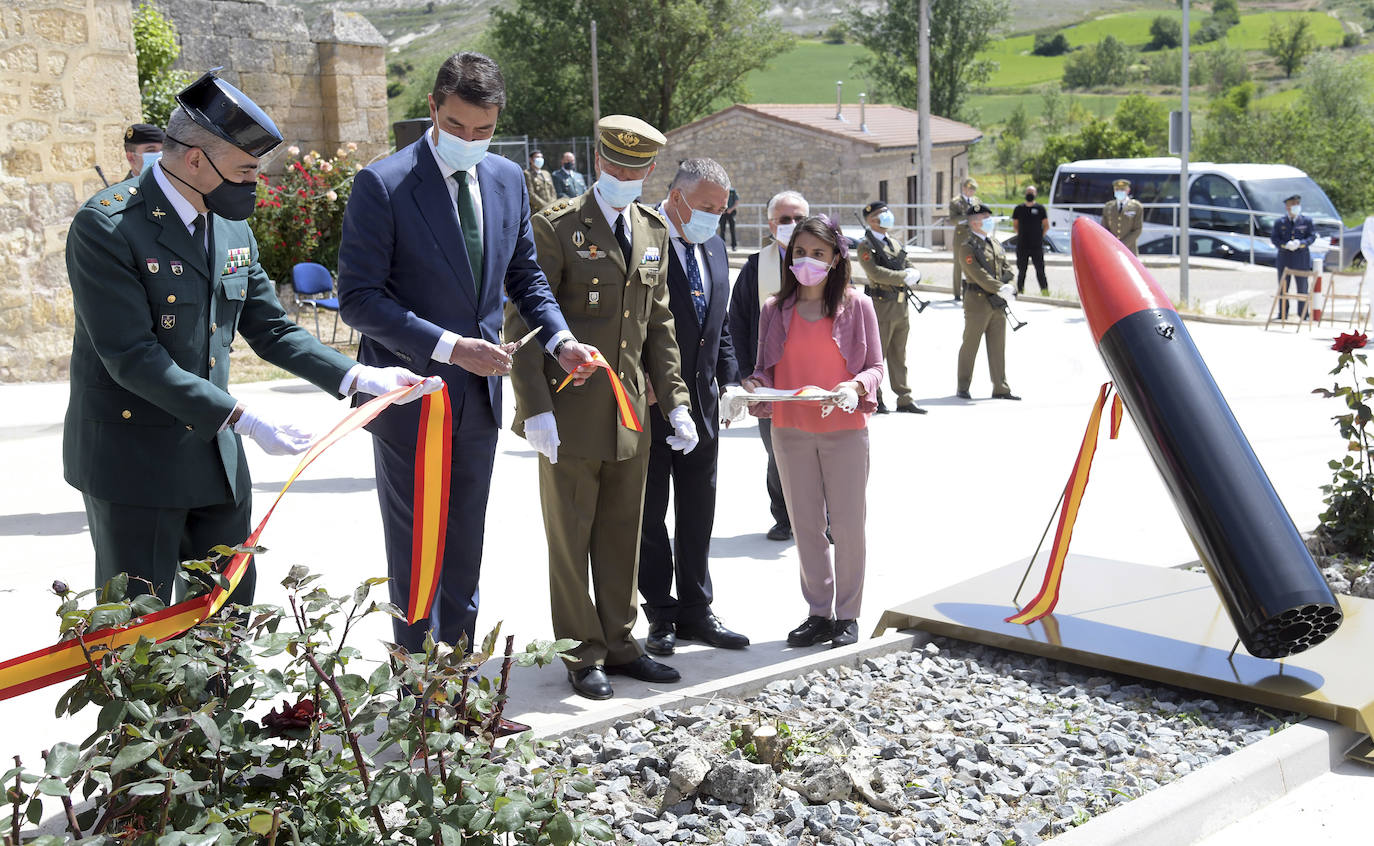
(1112, 283)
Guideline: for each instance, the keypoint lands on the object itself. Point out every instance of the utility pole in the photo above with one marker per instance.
(924, 188)
(596, 108)
(1185, 239)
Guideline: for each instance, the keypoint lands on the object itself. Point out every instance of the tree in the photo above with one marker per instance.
(1221, 68)
(1146, 119)
(155, 45)
(959, 31)
(1018, 122)
(1290, 43)
(1336, 91)
(1096, 140)
(1007, 154)
(1050, 45)
(1165, 67)
(1105, 63)
(672, 65)
(1055, 109)
(1226, 11)
(1165, 33)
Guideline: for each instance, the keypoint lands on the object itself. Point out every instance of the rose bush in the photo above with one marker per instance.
(1347, 525)
(299, 215)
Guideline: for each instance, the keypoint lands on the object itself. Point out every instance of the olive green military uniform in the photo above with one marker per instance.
(985, 270)
(539, 188)
(593, 497)
(143, 438)
(958, 214)
(1124, 220)
(887, 288)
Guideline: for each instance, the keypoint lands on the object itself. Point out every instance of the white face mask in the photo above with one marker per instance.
(785, 231)
(1295, 210)
(459, 154)
(538, 162)
(1120, 196)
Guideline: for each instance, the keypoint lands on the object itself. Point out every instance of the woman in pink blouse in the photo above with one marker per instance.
(818, 331)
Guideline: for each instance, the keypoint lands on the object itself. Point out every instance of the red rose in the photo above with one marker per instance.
(292, 717)
(1350, 341)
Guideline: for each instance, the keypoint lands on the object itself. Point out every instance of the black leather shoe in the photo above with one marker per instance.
(963, 395)
(846, 633)
(1006, 397)
(710, 631)
(815, 630)
(913, 408)
(662, 639)
(779, 532)
(882, 408)
(591, 682)
(645, 669)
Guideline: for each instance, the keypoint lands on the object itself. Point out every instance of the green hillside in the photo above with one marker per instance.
(807, 74)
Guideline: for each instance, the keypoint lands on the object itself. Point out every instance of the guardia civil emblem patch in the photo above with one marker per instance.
(176, 268)
(169, 321)
(152, 265)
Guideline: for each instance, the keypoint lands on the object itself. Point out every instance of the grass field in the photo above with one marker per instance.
(807, 74)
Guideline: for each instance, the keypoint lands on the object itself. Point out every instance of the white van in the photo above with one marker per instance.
(1255, 191)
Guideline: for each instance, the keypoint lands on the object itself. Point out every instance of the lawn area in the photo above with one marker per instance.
(807, 74)
(994, 109)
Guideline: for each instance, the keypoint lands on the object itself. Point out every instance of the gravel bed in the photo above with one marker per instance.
(954, 743)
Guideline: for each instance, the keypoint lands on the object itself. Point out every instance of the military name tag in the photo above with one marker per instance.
(176, 268)
(152, 265)
(1130, 214)
(169, 321)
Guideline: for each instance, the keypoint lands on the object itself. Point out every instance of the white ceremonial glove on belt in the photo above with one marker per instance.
(1007, 292)
(384, 380)
(274, 438)
(684, 437)
(1293, 244)
(541, 431)
(848, 399)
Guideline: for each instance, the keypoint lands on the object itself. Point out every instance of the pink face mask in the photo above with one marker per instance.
(810, 272)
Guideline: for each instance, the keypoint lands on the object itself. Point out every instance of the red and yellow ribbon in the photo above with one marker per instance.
(66, 660)
(628, 418)
(1045, 600)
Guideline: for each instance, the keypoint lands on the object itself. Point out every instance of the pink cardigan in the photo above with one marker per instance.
(855, 333)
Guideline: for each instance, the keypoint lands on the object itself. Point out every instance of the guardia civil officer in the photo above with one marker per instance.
(884, 262)
(606, 259)
(958, 214)
(987, 288)
(1293, 234)
(165, 276)
(1123, 215)
(142, 146)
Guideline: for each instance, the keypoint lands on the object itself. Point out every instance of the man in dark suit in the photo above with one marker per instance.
(759, 279)
(429, 236)
(698, 294)
(164, 274)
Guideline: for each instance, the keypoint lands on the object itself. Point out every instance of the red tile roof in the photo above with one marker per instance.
(887, 126)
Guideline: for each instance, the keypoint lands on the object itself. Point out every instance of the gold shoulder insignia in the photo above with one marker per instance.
(119, 198)
(104, 202)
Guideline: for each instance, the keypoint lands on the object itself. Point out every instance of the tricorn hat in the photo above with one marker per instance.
(628, 141)
(978, 208)
(222, 109)
(143, 133)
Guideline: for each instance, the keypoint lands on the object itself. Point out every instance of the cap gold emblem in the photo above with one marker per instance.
(627, 139)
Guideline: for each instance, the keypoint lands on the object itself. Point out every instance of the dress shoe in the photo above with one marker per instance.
(662, 639)
(779, 532)
(963, 395)
(591, 682)
(846, 633)
(710, 631)
(645, 669)
(1007, 397)
(882, 407)
(912, 408)
(813, 631)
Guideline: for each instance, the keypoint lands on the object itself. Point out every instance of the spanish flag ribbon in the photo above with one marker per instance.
(628, 418)
(433, 459)
(1045, 600)
(66, 660)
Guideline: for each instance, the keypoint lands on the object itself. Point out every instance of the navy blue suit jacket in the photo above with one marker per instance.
(1285, 230)
(708, 358)
(404, 276)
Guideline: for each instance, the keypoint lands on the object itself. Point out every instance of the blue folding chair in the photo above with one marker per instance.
(309, 280)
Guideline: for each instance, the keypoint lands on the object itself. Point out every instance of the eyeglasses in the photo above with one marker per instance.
(796, 218)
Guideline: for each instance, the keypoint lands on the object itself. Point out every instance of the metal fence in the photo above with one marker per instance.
(517, 148)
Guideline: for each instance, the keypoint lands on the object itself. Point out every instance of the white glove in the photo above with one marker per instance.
(734, 404)
(274, 438)
(384, 380)
(913, 276)
(848, 399)
(541, 431)
(1007, 292)
(684, 437)
(1293, 244)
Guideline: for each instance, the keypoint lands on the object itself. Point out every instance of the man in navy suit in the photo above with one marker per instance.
(699, 296)
(429, 236)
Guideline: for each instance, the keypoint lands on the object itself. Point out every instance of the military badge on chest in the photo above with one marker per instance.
(169, 321)
(238, 257)
(177, 268)
(152, 265)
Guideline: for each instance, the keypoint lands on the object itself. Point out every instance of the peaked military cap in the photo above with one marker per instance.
(219, 107)
(1121, 183)
(628, 141)
(143, 133)
(1296, 198)
(873, 207)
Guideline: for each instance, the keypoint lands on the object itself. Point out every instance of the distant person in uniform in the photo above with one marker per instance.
(884, 262)
(759, 279)
(987, 288)
(538, 183)
(1123, 215)
(819, 330)
(727, 218)
(958, 215)
(567, 182)
(142, 146)
(606, 258)
(1030, 222)
(165, 277)
(1293, 234)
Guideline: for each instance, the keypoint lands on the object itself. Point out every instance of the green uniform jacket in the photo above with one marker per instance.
(624, 315)
(150, 358)
(878, 275)
(1125, 223)
(958, 215)
(539, 188)
(993, 271)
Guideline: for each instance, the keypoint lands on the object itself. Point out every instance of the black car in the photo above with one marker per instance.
(1055, 242)
(1219, 245)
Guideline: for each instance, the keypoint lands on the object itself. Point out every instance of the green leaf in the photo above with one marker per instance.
(62, 759)
(52, 787)
(148, 788)
(109, 614)
(509, 814)
(207, 725)
(35, 811)
(596, 829)
(260, 824)
(353, 685)
(560, 829)
(130, 755)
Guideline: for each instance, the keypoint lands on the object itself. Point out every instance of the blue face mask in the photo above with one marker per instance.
(1120, 196)
(459, 154)
(148, 159)
(701, 226)
(886, 219)
(617, 193)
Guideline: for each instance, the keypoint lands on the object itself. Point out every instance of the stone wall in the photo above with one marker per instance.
(68, 88)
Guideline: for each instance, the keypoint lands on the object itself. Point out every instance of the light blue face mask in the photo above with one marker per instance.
(459, 154)
(701, 226)
(1120, 196)
(148, 159)
(886, 219)
(616, 193)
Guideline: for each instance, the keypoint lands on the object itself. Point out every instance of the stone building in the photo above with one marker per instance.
(839, 158)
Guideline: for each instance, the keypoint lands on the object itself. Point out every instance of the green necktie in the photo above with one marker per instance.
(467, 220)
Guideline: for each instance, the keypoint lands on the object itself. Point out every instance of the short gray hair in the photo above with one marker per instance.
(691, 172)
(788, 197)
(184, 133)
